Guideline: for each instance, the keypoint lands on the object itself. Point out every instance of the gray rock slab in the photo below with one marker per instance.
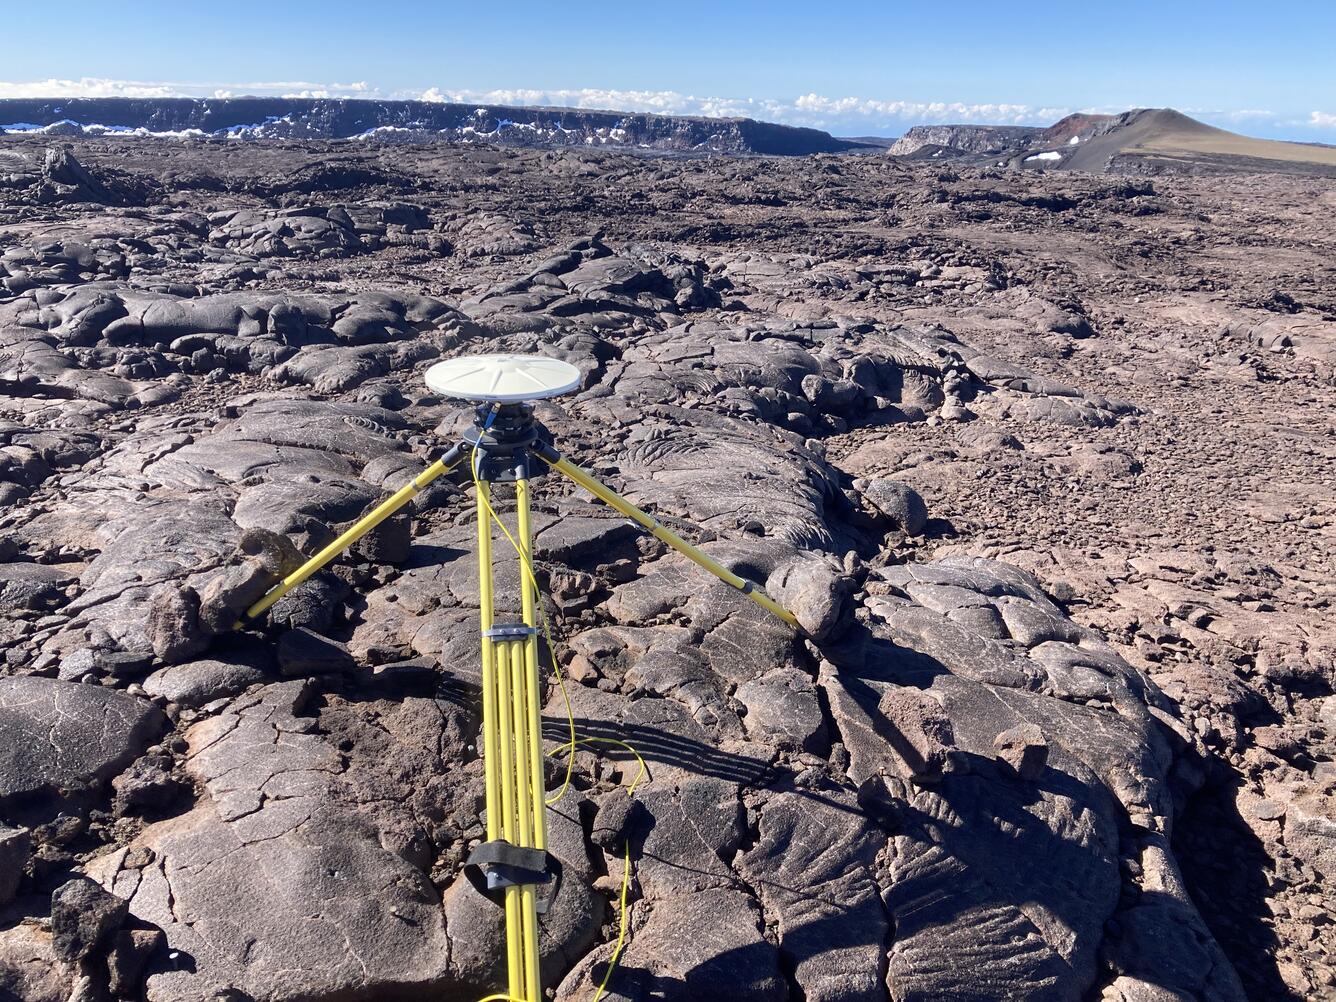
(275, 885)
(195, 683)
(65, 736)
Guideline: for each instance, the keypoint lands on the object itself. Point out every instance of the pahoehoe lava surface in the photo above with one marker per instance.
(1044, 463)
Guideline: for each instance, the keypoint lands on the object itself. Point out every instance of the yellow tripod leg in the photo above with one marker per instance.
(514, 948)
(486, 614)
(528, 944)
(506, 764)
(615, 500)
(529, 615)
(359, 529)
(534, 788)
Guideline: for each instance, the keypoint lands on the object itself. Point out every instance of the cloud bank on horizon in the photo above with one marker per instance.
(840, 115)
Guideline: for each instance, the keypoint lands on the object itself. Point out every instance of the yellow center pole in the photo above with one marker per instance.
(615, 500)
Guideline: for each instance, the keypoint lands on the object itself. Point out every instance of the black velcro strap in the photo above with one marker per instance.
(494, 866)
(746, 587)
(520, 865)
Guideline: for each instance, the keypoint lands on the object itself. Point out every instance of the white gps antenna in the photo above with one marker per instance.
(503, 379)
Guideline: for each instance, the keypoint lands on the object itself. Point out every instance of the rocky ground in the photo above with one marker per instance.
(1044, 464)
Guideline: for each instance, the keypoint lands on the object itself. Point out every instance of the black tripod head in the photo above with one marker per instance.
(504, 435)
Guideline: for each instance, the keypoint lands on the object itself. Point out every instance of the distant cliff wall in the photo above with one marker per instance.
(970, 138)
(407, 121)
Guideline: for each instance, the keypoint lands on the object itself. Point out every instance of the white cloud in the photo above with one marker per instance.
(1322, 120)
(663, 102)
(1241, 115)
(103, 87)
(809, 109)
(940, 111)
(84, 87)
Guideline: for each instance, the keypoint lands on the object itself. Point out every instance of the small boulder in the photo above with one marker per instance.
(814, 591)
(15, 848)
(230, 593)
(32, 586)
(83, 918)
(615, 820)
(304, 652)
(129, 953)
(313, 604)
(920, 738)
(387, 543)
(1024, 749)
(195, 683)
(1310, 833)
(900, 503)
(262, 557)
(148, 787)
(173, 624)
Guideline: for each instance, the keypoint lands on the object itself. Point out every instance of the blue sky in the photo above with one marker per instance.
(853, 68)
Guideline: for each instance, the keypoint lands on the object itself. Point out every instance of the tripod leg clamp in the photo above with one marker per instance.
(510, 631)
(494, 866)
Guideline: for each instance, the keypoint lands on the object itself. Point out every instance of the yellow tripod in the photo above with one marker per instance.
(506, 445)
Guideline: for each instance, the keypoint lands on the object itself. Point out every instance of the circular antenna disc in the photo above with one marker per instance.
(503, 379)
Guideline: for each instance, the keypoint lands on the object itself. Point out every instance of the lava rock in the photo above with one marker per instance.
(148, 787)
(387, 543)
(174, 625)
(1024, 749)
(304, 652)
(312, 605)
(918, 733)
(615, 820)
(129, 955)
(15, 848)
(900, 503)
(195, 683)
(63, 736)
(83, 918)
(262, 558)
(32, 586)
(814, 591)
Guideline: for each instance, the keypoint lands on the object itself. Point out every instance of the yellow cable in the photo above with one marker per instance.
(644, 770)
(621, 930)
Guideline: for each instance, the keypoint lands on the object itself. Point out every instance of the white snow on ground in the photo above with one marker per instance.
(64, 125)
(1073, 141)
(386, 130)
(1050, 155)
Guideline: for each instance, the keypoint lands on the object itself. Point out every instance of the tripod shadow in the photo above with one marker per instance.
(657, 745)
